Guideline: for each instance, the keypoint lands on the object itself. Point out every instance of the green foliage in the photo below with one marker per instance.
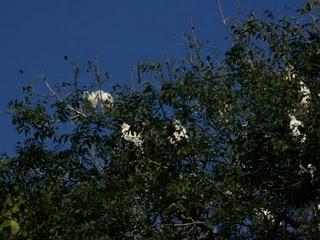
(212, 149)
(7, 218)
(311, 5)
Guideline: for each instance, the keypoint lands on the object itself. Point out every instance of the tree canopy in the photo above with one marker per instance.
(204, 149)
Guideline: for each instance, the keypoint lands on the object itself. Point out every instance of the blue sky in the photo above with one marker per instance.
(37, 34)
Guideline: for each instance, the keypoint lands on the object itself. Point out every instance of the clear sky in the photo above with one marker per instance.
(36, 35)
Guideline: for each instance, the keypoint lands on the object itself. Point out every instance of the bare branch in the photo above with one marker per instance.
(184, 224)
(93, 159)
(224, 20)
(60, 100)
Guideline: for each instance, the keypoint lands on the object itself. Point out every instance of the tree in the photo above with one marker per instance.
(205, 150)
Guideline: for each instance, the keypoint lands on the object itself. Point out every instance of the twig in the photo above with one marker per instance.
(183, 224)
(224, 21)
(60, 100)
(93, 159)
(197, 46)
(315, 20)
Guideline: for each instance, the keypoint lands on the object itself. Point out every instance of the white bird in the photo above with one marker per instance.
(131, 136)
(294, 127)
(99, 98)
(179, 133)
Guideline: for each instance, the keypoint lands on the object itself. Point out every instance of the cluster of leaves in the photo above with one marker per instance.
(240, 174)
(9, 207)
